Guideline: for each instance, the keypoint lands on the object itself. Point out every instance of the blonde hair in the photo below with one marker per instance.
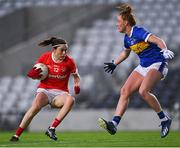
(125, 10)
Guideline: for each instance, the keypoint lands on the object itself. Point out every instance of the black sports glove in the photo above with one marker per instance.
(109, 67)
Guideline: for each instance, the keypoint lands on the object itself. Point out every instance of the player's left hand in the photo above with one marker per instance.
(77, 89)
(168, 54)
(110, 67)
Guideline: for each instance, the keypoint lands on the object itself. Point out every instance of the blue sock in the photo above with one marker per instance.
(116, 120)
(161, 115)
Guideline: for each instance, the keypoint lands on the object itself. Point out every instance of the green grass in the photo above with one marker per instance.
(93, 139)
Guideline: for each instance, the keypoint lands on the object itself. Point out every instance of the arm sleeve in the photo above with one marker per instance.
(125, 43)
(142, 33)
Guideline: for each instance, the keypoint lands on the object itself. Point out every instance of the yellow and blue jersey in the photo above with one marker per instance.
(148, 53)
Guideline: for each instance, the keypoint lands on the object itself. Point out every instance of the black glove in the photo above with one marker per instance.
(109, 67)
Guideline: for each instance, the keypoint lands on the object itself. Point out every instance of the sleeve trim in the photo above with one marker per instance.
(76, 72)
(146, 39)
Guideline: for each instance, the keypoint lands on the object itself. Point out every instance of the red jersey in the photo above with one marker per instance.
(58, 73)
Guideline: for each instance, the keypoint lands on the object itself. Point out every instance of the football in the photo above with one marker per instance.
(44, 69)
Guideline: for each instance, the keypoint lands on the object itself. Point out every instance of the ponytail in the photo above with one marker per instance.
(46, 42)
(53, 41)
(125, 11)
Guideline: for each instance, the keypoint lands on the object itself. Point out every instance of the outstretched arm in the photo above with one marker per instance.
(156, 40)
(123, 55)
(168, 54)
(110, 66)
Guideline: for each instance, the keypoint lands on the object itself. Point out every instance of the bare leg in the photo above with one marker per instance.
(65, 102)
(39, 102)
(132, 84)
(152, 77)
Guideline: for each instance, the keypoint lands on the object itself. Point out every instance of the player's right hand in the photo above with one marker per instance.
(110, 67)
(34, 73)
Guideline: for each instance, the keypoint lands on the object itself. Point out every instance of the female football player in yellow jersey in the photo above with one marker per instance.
(153, 54)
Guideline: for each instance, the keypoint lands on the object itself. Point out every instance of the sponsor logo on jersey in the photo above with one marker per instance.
(57, 76)
(139, 47)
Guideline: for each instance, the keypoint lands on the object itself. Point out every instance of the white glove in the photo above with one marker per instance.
(168, 54)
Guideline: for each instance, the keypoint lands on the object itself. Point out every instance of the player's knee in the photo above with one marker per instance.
(143, 93)
(124, 92)
(70, 100)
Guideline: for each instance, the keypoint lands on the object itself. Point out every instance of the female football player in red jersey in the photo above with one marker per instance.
(53, 89)
(153, 55)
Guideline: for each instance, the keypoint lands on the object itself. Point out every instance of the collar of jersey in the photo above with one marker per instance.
(54, 59)
(131, 31)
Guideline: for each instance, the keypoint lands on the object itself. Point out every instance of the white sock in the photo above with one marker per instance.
(16, 136)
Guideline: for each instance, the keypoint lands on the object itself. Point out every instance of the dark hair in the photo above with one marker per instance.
(125, 10)
(53, 41)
